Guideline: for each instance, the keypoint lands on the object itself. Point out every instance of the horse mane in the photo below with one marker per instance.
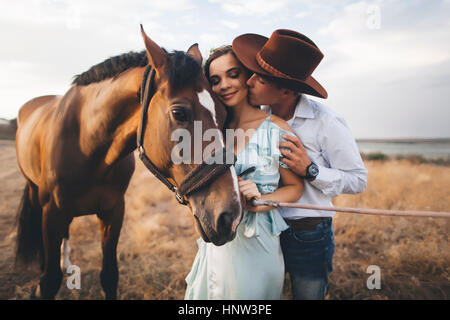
(181, 68)
(111, 67)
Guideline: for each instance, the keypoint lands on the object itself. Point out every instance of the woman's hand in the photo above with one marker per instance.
(248, 190)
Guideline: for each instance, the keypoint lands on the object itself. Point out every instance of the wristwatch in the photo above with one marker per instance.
(312, 171)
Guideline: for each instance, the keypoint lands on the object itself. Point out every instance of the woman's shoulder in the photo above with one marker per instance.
(281, 123)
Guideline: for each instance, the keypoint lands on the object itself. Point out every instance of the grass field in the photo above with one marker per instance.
(157, 244)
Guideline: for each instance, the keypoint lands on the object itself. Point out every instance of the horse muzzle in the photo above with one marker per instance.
(222, 230)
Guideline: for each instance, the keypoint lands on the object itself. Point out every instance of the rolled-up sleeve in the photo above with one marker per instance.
(344, 170)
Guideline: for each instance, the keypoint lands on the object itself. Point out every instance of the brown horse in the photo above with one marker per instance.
(75, 152)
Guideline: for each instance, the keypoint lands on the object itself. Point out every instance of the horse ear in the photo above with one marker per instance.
(156, 56)
(195, 53)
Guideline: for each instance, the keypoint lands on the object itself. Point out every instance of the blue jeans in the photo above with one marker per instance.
(308, 257)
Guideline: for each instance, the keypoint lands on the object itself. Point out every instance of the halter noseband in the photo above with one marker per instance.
(202, 175)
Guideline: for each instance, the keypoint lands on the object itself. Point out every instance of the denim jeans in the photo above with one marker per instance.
(308, 257)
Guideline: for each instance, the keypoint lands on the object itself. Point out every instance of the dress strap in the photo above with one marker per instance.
(268, 120)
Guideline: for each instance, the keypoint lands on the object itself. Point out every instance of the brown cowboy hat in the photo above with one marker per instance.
(287, 55)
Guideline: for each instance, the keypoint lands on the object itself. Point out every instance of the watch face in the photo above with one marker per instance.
(313, 170)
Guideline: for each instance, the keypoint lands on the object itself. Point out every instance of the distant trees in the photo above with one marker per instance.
(8, 128)
(13, 123)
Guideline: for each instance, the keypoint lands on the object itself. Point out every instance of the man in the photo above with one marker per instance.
(325, 155)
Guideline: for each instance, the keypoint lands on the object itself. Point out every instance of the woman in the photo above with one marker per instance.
(251, 266)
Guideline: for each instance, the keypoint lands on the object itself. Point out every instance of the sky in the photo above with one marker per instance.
(386, 66)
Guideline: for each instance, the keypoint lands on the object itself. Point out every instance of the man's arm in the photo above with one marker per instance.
(345, 172)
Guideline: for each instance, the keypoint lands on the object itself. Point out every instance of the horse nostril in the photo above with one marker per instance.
(224, 222)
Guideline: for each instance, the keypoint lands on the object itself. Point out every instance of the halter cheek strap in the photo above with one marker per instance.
(202, 175)
(146, 94)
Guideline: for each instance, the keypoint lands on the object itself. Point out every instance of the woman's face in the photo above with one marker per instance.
(228, 80)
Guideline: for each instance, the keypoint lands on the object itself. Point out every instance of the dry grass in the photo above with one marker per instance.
(157, 244)
(156, 248)
(412, 253)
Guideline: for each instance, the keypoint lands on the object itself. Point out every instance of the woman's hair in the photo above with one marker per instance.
(216, 53)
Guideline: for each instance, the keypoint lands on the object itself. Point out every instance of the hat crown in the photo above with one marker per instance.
(287, 55)
(290, 53)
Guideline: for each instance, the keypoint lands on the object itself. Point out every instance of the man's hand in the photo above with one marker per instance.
(296, 157)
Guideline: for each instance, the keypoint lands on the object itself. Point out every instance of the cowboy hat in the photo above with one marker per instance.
(287, 55)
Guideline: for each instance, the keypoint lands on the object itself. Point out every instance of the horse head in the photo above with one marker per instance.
(182, 104)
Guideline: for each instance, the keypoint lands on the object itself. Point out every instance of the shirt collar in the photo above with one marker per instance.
(304, 108)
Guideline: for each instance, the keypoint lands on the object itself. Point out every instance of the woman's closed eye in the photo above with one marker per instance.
(234, 74)
(214, 81)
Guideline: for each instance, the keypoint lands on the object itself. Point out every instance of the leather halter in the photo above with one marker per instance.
(199, 177)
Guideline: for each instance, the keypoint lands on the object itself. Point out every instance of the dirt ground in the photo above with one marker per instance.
(12, 183)
(157, 244)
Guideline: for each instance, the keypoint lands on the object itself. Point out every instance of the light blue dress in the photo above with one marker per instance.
(251, 266)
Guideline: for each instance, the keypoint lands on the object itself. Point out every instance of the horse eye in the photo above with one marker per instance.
(180, 114)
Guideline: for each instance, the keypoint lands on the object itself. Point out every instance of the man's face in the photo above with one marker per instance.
(262, 92)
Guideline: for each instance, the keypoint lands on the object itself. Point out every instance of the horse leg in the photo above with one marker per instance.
(54, 223)
(110, 222)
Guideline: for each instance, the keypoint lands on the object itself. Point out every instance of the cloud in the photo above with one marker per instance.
(302, 14)
(229, 24)
(189, 20)
(388, 81)
(251, 7)
(210, 40)
(360, 49)
(41, 12)
(47, 42)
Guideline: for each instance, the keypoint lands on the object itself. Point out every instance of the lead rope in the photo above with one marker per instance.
(436, 214)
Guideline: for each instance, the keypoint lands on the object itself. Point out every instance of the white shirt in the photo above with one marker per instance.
(329, 143)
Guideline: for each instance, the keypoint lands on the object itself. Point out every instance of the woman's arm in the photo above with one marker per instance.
(290, 190)
(291, 185)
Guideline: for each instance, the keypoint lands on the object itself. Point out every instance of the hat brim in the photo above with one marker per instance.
(246, 47)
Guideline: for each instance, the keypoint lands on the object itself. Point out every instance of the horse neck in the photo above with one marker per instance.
(110, 116)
